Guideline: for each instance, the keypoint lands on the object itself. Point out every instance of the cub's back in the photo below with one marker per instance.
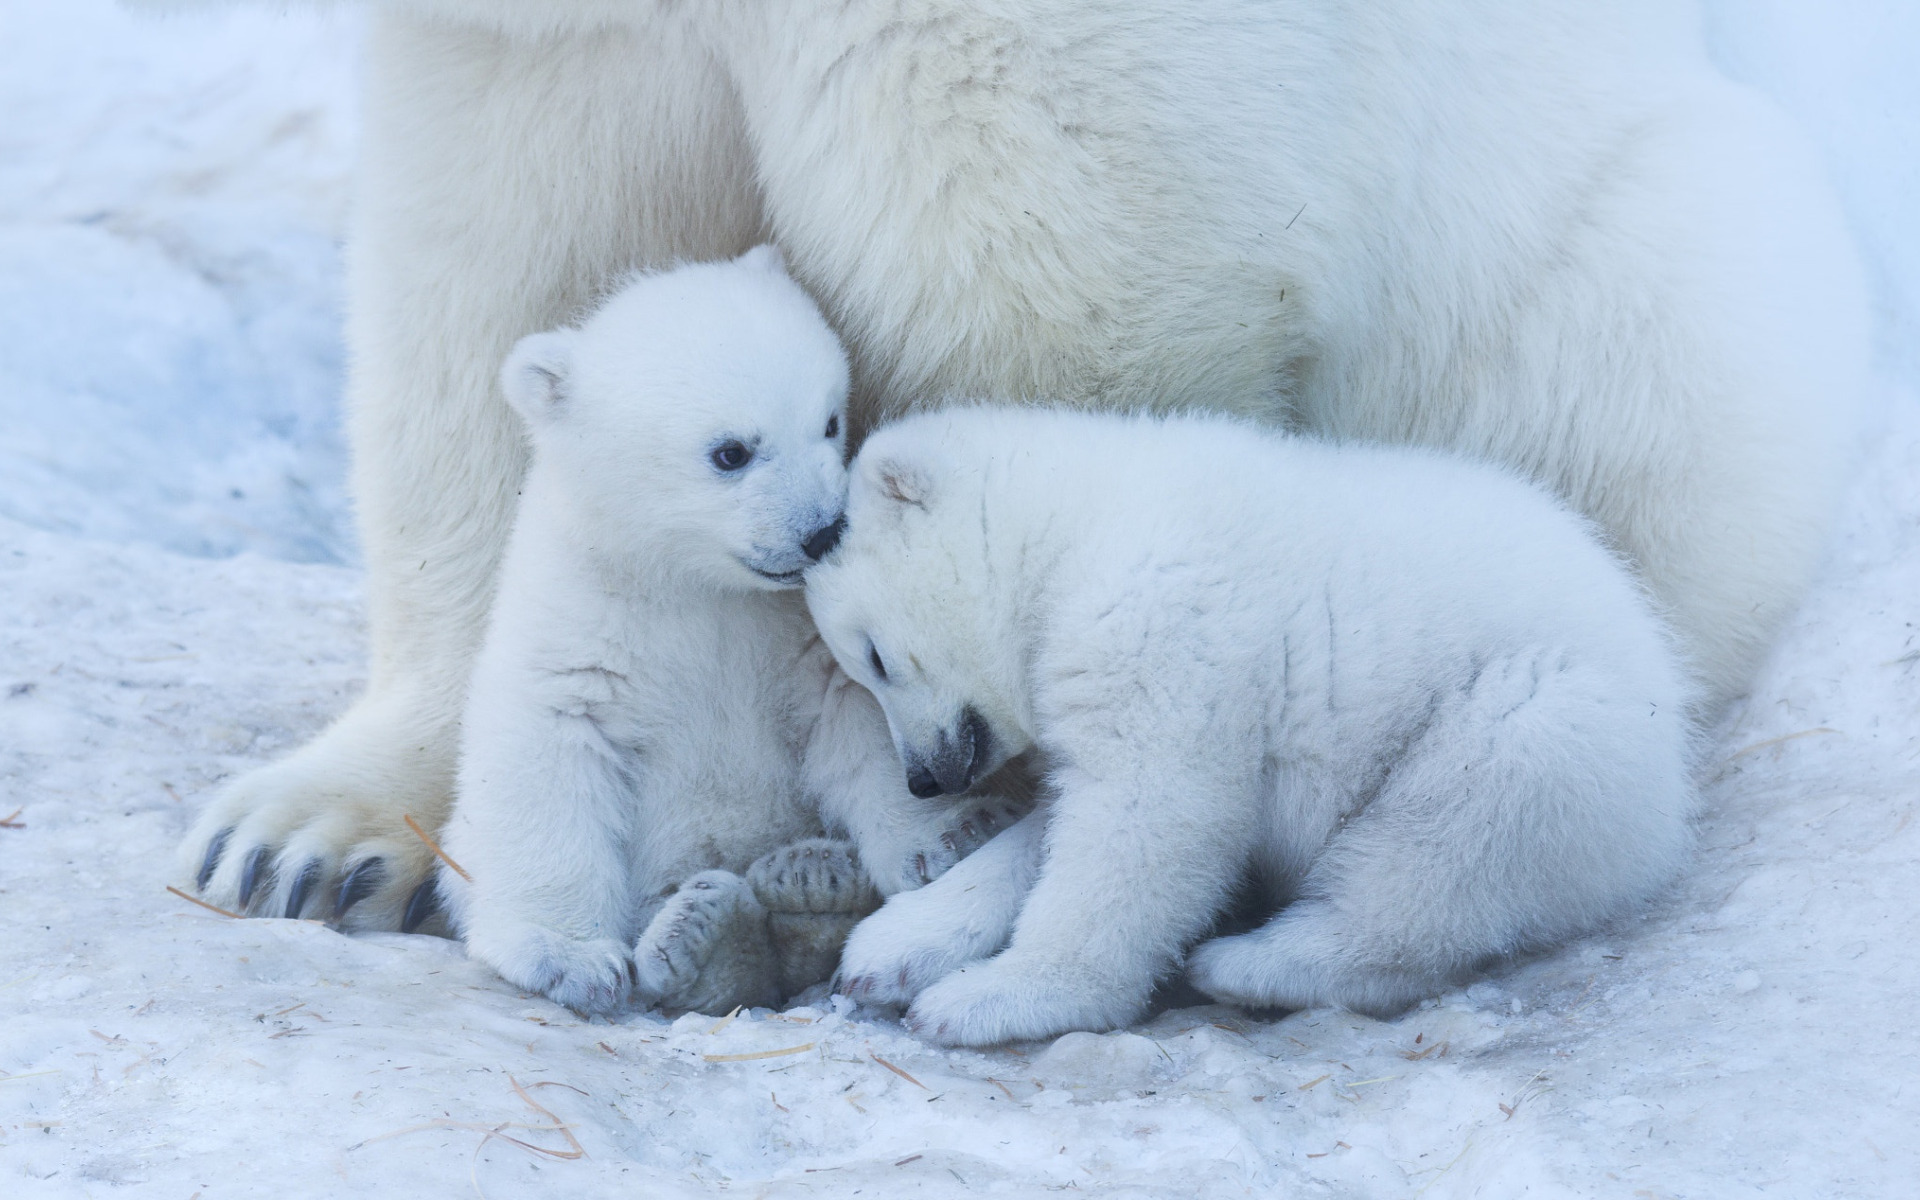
(1415, 553)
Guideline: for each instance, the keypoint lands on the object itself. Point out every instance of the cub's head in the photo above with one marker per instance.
(697, 420)
(912, 606)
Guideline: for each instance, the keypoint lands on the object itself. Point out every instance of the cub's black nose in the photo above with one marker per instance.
(922, 784)
(825, 539)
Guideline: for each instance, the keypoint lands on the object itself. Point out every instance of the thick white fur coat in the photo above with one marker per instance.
(1542, 233)
(1413, 701)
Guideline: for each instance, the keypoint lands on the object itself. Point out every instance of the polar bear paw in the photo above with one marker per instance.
(910, 944)
(1302, 960)
(963, 829)
(323, 832)
(814, 892)
(587, 975)
(708, 949)
(1005, 1000)
(815, 876)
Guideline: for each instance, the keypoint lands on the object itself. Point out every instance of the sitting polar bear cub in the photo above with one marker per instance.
(652, 707)
(1413, 699)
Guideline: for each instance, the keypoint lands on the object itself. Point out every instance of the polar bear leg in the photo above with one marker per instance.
(1720, 460)
(1496, 833)
(963, 916)
(1116, 901)
(1689, 372)
(501, 182)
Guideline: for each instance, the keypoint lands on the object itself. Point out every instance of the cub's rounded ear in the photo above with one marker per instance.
(900, 480)
(536, 375)
(767, 257)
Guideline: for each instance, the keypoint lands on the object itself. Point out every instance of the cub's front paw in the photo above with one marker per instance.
(1233, 970)
(708, 949)
(968, 827)
(912, 942)
(587, 975)
(1002, 1000)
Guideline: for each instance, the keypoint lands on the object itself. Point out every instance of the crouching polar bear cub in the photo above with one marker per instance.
(1412, 699)
(652, 706)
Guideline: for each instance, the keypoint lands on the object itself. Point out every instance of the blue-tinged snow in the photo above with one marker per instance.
(171, 201)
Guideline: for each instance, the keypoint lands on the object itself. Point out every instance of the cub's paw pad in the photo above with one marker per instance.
(712, 910)
(979, 823)
(818, 875)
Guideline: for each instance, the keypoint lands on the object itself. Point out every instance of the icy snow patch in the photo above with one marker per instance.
(171, 200)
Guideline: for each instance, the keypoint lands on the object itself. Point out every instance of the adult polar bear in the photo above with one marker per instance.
(1542, 232)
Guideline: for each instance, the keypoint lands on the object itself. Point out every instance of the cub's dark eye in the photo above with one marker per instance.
(873, 657)
(731, 456)
(833, 426)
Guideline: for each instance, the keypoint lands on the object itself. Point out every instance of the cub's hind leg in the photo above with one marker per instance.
(502, 179)
(1544, 799)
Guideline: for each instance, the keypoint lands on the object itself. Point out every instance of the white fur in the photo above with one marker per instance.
(648, 700)
(1413, 699)
(1539, 232)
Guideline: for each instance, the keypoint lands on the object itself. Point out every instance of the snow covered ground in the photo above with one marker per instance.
(170, 203)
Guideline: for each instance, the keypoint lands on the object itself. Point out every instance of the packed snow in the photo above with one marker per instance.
(177, 604)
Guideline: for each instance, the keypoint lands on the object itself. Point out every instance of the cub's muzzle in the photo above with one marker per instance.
(955, 761)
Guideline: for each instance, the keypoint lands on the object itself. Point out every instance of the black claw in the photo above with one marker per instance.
(303, 885)
(424, 902)
(215, 849)
(360, 883)
(252, 873)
